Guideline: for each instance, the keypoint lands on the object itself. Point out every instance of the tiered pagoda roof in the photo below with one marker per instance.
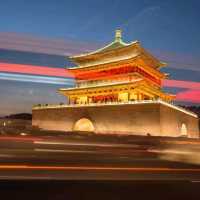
(118, 51)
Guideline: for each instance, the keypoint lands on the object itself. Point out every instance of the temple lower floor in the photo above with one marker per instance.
(120, 92)
(145, 118)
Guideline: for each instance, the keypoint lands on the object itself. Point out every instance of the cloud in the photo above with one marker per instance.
(25, 42)
(178, 60)
(140, 15)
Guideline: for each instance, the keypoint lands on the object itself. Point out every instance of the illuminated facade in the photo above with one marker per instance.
(118, 91)
(119, 72)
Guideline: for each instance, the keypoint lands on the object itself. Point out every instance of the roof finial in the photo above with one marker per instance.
(118, 35)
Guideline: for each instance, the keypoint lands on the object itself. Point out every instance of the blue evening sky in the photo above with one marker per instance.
(172, 25)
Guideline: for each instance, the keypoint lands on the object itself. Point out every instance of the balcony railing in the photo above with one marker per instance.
(61, 105)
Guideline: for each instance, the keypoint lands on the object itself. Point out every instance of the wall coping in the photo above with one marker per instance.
(55, 106)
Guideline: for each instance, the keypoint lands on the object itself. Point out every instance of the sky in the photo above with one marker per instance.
(171, 24)
(170, 29)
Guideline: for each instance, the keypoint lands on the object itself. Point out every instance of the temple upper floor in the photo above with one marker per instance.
(117, 74)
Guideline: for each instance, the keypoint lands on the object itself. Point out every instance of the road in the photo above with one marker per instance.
(60, 158)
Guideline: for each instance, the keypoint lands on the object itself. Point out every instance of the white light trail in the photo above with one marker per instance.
(61, 151)
(84, 144)
(36, 79)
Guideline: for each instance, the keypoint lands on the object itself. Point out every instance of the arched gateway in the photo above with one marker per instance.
(183, 129)
(83, 124)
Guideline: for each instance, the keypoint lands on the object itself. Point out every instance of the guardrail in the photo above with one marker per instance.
(52, 106)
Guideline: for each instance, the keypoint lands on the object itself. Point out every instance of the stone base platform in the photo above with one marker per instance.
(156, 118)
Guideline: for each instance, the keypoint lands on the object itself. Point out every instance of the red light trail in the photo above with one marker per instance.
(98, 168)
(35, 70)
(182, 84)
(189, 96)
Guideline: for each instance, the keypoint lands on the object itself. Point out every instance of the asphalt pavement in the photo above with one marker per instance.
(63, 158)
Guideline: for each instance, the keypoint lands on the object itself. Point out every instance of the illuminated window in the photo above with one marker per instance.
(123, 97)
(133, 96)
